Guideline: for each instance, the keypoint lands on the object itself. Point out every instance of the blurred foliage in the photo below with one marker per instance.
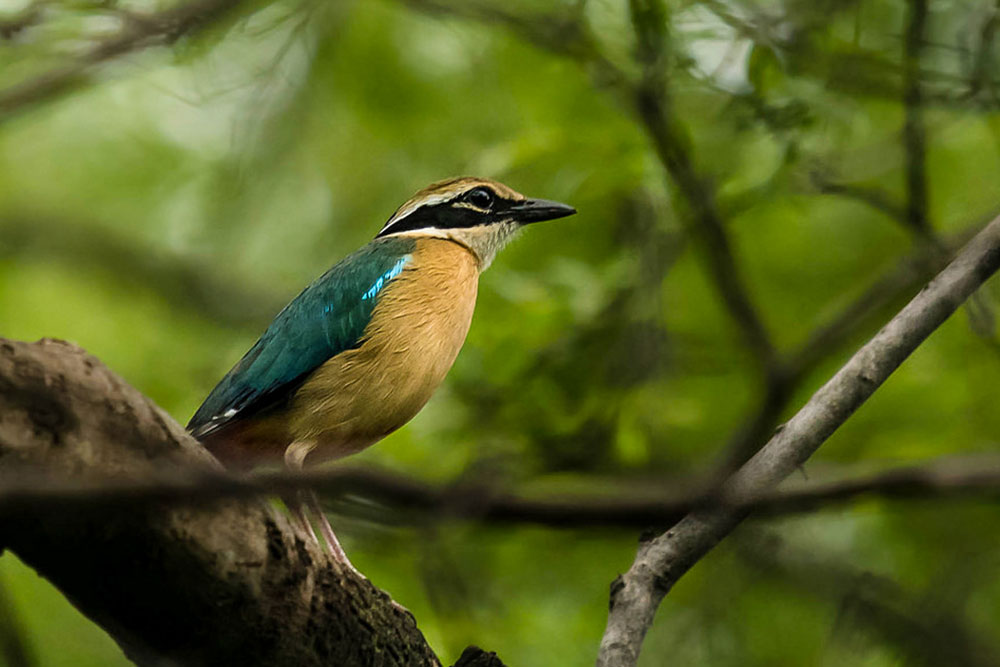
(160, 212)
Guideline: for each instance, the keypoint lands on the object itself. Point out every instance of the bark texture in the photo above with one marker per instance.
(231, 582)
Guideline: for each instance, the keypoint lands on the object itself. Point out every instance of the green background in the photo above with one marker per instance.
(163, 211)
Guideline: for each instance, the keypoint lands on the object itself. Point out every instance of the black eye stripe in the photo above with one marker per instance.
(453, 214)
(440, 216)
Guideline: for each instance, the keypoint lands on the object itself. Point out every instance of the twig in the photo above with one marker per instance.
(395, 499)
(979, 77)
(914, 135)
(661, 561)
(926, 632)
(849, 321)
(705, 223)
(567, 34)
(182, 282)
(139, 32)
(829, 337)
(651, 100)
(13, 24)
(879, 200)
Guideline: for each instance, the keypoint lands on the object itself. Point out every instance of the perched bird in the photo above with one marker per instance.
(360, 351)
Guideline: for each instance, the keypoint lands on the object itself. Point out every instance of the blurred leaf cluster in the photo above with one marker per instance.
(164, 206)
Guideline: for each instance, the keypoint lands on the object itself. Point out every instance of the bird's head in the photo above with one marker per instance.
(481, 214)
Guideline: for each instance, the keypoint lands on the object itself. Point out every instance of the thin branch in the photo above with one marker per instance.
(140, 31)
(651, 100)
(567, 34)
(15, 23)
(828, 338)
(926, 632)
(705, 223)
(914, 133)
(661, 561)
(182, 282)
(857, 315)
(395, 499)
(879, 200)
(979, 77)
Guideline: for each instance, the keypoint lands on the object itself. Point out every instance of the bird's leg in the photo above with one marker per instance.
(332, 543)
(295, 456)
(293, 502)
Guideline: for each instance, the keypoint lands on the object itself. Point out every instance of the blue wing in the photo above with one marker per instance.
(327, 318)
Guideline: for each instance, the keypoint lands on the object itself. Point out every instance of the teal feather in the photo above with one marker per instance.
(327, 318)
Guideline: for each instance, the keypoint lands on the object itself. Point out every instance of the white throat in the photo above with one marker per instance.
(485, 241)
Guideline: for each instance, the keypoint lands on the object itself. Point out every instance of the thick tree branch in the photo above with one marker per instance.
(661, 561)
(226, 583)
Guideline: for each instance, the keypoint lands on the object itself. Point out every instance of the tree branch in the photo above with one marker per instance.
(182, 282)
(925, 631)
(229, 583)
(11, 25)
(661, 561)
(568, 34)
(826, 339)
(169, 515)
(914, 139)
(394, 499)
(139, 32)
(879, 200)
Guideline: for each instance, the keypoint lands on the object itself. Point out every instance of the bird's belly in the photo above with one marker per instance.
(417, 329)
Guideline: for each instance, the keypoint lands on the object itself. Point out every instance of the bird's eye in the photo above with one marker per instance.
(480, 198)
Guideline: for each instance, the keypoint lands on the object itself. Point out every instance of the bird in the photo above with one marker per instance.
(360, 351)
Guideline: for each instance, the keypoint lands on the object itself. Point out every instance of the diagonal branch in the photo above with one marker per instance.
(184, 283)
(879, 200)
(661, 561)
(139, 32)
(832, 335)
(705, 223)
(567, 34)
(652, 101)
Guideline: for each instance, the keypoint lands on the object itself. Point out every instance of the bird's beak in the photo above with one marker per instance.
(537, 210)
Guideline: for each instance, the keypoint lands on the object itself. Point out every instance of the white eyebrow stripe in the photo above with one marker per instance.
(426, 231)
